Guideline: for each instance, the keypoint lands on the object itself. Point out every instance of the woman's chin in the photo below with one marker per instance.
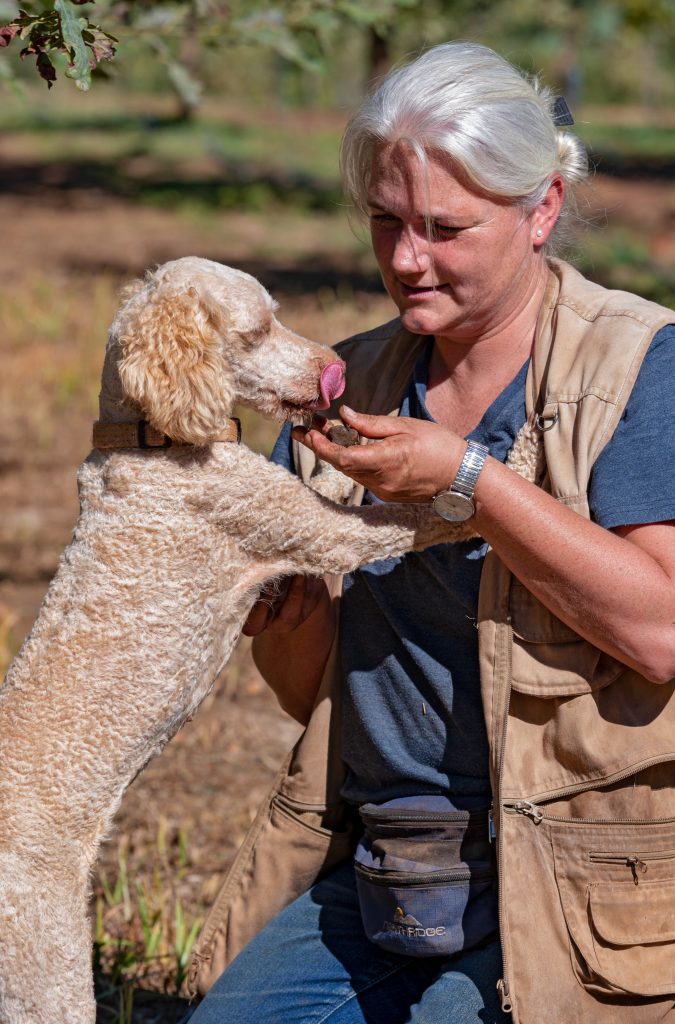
(419, 321)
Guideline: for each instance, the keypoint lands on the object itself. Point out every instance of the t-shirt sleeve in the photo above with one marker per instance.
(633, 479)
(282, 453)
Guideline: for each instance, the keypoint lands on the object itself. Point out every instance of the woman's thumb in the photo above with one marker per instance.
(367, 425)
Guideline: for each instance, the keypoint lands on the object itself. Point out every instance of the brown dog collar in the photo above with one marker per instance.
(143, 435)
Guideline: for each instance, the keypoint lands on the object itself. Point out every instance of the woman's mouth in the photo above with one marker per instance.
(425, 291)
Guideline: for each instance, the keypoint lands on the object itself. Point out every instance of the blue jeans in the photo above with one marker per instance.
(313, 964)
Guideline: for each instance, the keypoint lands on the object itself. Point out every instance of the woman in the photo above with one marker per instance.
(556, 710)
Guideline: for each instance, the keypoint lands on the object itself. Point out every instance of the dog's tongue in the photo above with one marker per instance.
(331, 383)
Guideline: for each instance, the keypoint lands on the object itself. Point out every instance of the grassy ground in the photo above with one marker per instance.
(90, 196)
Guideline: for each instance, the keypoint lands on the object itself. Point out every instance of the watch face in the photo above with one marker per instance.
(454, 507)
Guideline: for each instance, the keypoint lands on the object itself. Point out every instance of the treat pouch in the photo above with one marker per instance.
(419, 865)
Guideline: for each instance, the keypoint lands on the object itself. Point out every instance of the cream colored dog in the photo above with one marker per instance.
(171, 549)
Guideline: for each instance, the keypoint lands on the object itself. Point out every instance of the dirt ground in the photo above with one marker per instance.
(208, 782)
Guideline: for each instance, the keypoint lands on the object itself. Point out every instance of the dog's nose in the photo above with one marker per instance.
(331, 383)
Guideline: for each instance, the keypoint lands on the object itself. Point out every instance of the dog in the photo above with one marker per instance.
(179, 530)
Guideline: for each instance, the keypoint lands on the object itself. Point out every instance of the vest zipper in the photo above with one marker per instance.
(409, 878)
(504, 996)
(608, 780)
(529, 809)
(393, 816)
(622, 858)
(538, 814)
(503, 984)
(637, 862)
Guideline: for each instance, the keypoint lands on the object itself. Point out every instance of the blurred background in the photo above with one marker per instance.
(214, 130)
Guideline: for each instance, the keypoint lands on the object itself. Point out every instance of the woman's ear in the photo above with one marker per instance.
(172, 361)
(546, 213)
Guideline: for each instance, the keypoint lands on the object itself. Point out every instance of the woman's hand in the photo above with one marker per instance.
(284, 606)
(293, 625)
(412, 460)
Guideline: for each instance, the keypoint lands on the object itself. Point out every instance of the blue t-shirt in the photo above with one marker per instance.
(413, 719)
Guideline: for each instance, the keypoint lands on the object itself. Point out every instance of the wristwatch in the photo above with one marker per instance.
(456, 504)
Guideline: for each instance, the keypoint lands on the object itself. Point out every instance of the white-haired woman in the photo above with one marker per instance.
(507, 722)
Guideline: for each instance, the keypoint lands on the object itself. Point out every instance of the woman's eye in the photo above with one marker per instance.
(439, 230)
(383, 219)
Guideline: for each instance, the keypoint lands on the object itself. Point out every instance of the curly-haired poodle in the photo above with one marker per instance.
(179, 529)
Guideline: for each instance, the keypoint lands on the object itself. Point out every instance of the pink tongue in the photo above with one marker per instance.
(331, 383)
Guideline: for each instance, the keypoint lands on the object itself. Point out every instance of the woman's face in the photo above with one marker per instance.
(457, 264)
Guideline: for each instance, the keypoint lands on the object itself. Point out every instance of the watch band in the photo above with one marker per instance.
(469, 468)
(456, 503)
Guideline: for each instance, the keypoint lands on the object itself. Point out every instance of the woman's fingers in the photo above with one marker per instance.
(289, 610)
(272, 598)
(283, 607)
(369, 465)
(408, 460)
(372, 426)
(257, 619)
(350, 457)
(345, 459)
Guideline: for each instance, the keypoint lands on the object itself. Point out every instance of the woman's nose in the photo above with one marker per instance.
(411, 253)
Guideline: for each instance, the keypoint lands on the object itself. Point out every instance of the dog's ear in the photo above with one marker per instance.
(172, 361)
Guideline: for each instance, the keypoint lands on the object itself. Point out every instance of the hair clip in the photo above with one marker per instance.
(562, 115)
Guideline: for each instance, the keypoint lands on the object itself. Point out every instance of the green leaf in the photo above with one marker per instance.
(184, 953)
(72, 27)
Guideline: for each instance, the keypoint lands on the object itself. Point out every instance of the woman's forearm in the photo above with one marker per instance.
(616, 591)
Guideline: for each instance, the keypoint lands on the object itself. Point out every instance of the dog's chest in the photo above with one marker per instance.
(139, 523)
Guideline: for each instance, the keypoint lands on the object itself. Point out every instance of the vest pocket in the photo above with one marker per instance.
(548, 658)
(310, 821)
(617, 891)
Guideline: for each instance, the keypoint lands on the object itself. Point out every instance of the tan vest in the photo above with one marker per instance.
(582, 748)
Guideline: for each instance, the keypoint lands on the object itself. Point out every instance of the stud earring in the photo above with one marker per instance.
(539, 232)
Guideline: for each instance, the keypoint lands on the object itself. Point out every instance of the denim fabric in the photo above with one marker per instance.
(313, 965)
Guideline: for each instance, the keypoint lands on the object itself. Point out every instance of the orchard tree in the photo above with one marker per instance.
(88, 34)
(623, 45)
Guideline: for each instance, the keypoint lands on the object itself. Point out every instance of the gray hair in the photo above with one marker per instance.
(492, 121)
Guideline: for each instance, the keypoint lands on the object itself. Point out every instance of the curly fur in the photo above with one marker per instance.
(170, 550)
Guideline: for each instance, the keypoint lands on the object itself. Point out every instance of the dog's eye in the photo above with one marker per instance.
(255, 336)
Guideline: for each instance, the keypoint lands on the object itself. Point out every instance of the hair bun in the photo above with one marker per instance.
(571, 157)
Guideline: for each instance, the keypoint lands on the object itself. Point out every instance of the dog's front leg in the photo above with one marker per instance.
(324, 538)
(45, 941)
(278, 520)
(292, 529)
